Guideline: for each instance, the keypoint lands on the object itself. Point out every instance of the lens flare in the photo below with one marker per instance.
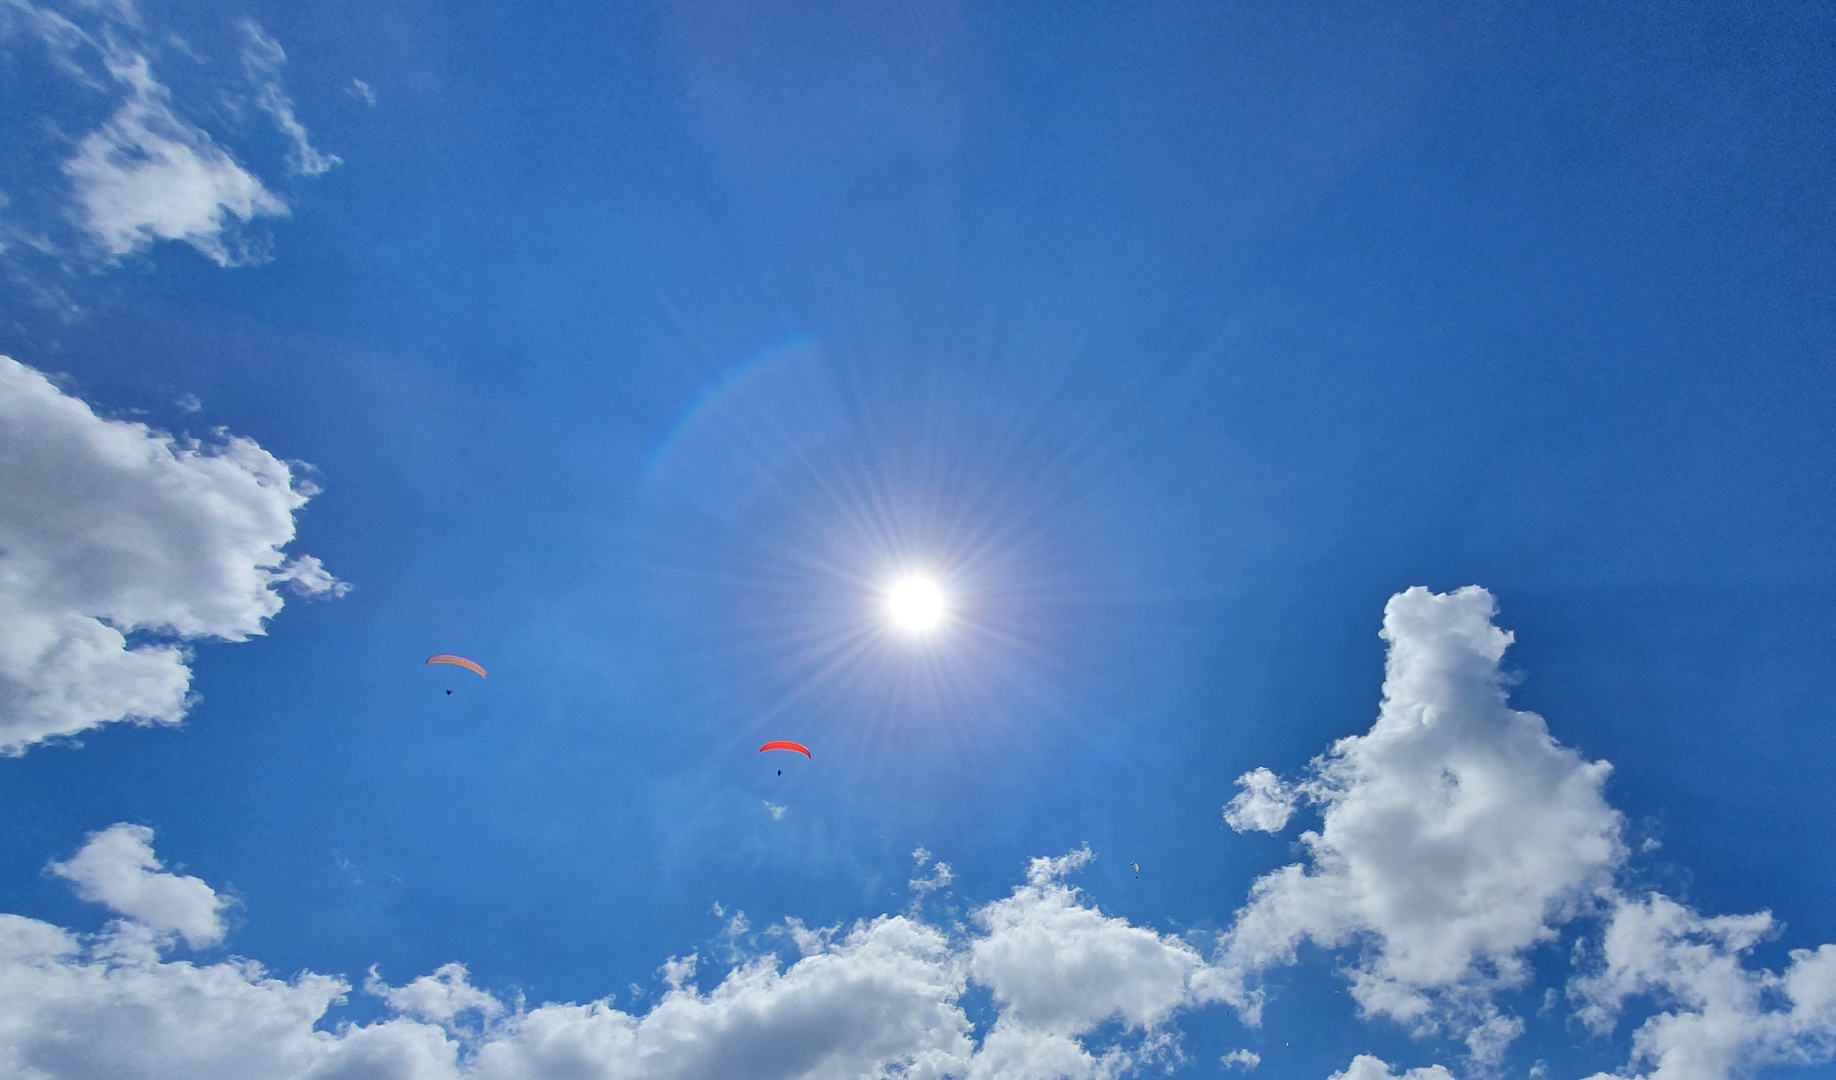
(915, 581)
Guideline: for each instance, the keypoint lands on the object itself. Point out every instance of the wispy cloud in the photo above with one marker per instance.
(65, 42)
(1241, 1059)
(941, 875)
(263, 59)
(147, 175)
(145, 170)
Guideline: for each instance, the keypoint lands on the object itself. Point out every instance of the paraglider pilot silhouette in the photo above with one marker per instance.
(795, 748)
(457, 661)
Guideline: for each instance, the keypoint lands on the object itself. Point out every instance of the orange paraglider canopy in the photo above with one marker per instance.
(457, 661)
(795, 748)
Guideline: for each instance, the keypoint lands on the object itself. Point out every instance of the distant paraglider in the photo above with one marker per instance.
(457, 661)
(1137, 867)
(795, 748)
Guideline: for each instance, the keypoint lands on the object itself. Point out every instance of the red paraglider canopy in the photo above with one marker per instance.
(795, 748)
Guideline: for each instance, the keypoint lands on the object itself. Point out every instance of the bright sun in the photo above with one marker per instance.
(915, 603)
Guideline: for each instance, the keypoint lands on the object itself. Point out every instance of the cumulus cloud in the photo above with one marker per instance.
(1414, 867)
(1366, 1067)
(149, 175)
(1456, 835)
(1058, 968)
(878, 999)
(142, 1016)
(1722, 1017)
(107, 528)
(117, 868)
(776, 811)
(1264, 804)
(440, 998)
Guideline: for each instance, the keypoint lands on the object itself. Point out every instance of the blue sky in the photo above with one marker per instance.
(1206, 355)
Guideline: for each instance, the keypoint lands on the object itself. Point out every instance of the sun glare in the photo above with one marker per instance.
(915, 604)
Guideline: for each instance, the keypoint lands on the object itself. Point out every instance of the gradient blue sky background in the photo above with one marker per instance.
(635, 345)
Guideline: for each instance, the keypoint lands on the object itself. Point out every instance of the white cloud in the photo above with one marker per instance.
(1042, 871)
(262, 59)
(305, 575)
(1060, 967)
(1017, 1052)
(1487, 1038)
(1264, 804)
(1366, 1067)
(1076, 994)
(359, 90)
(440, 998)
(148, 172)
(879, 999)
(141, 1016)
(108, 527)
(776, 811)
(1717, 1018)
(64, 40)
(1456, 834)
(679, 970)
(147, 175)
(736, 927)
(941, 876)
(878, 1002)
(117, 868)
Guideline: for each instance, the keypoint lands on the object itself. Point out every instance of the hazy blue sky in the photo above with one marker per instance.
(1204, 354)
